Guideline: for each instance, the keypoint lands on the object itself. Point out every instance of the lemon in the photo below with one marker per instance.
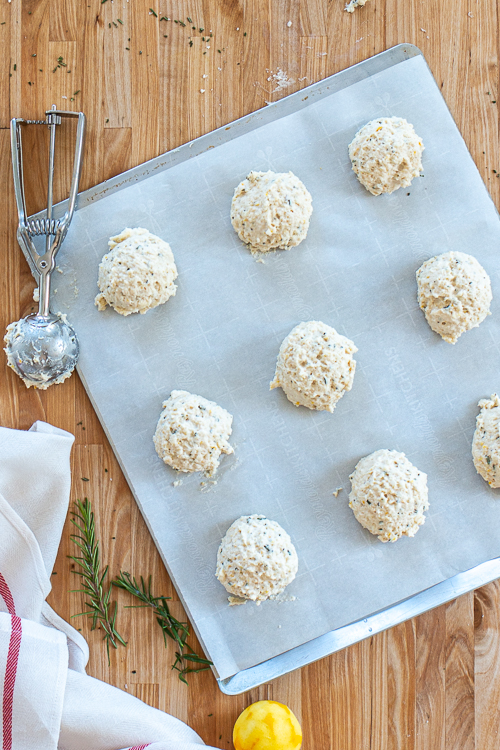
(267, 725)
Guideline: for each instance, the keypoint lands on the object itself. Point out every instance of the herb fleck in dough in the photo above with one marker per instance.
(137, 274)
(271, 210)
(386, 154)
(389, 495)
(192, 432)
(454, 291)
(486, 441)
(315, 366)
(256, 559)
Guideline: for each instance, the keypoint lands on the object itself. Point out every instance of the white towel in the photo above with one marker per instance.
(47, 700)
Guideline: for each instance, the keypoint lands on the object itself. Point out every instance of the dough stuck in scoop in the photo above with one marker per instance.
(39, 380)
(389, 495)
(137, 273)
(386, 154)
(271, 210)
(192, 432)
(454, 291)
(256, 559)
(315, 366)
(486, 441)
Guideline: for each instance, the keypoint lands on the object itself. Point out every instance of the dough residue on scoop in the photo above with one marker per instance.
(386, 154)
(137, 274)
(256, 559)
(192, 432)
(39, 380)
(454, 291)
(486, 441)
(315, 366)
(271, 210)
(389, 495)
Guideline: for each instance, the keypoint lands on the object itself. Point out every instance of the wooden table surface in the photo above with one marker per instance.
(148, 85)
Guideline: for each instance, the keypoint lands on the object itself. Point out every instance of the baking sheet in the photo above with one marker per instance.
(220, 335)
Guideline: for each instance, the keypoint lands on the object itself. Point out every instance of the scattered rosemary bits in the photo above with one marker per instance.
(60, 64)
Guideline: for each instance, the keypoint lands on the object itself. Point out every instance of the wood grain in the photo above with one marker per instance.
(401, 690)
(430, 685)
(148, 85)
(486, 660)
(459, 674)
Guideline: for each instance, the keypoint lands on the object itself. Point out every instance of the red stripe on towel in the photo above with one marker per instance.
(6, 595)
(10, 679)
(11, 667)
(140, 747)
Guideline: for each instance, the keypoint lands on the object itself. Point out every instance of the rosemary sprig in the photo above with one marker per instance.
(92, 577)
(185, 656)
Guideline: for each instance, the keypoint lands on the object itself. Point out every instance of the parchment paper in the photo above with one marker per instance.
(219, 337)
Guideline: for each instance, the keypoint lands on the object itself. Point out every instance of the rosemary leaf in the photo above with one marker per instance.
(194, 657)
(92, 578)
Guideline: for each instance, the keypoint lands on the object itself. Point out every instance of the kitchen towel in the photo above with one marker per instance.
(48, 702)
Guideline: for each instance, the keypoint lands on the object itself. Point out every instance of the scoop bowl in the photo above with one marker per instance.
(42, 349)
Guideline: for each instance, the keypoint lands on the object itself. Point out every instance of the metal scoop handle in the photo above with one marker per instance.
(43, 265)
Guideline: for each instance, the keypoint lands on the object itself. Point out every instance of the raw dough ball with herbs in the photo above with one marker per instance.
(271, 210)
(386, 154)
(315, 366)
(192, 432)
(256, 559)
(454, 291)
(486, 441)
(389, 495)
(137, 274)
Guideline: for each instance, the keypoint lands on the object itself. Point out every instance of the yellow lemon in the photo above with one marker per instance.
(267, 725)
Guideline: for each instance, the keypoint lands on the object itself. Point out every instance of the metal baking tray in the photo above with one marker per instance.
(434, 596)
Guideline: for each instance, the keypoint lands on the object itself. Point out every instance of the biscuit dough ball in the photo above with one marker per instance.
(315, 366)
(137, 274)
(486, 441)
(192, 432)
(454, 291)
(271, 210)
(389, 495)
(386, 154)
(256, 559)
